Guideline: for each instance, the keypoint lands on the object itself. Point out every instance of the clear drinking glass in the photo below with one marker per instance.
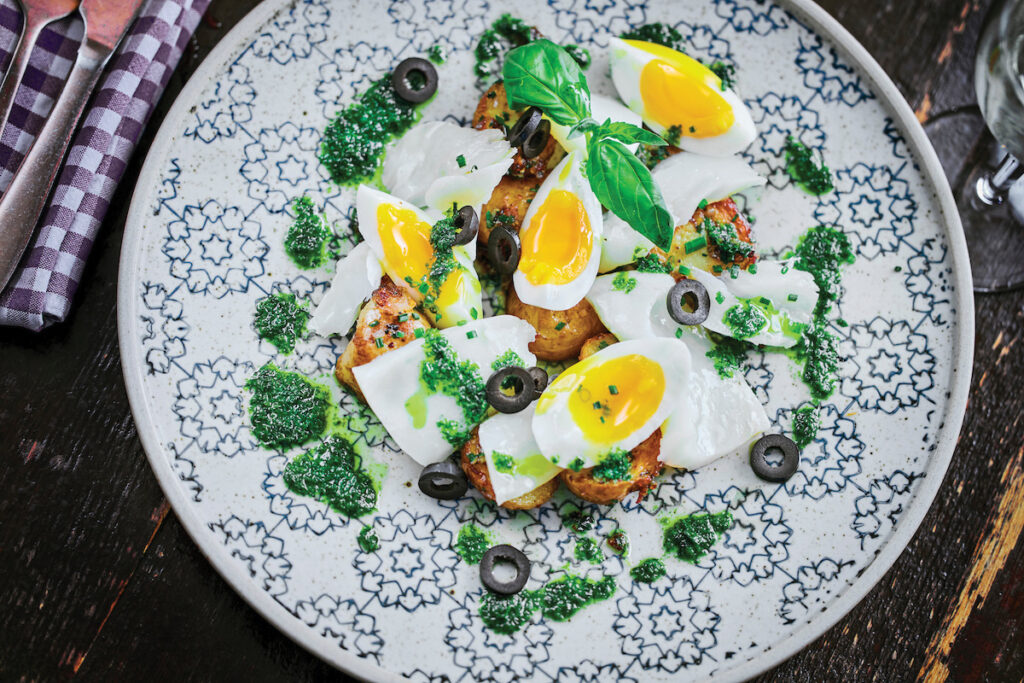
(991, 206)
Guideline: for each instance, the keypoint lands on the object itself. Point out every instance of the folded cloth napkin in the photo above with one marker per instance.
(40, 292)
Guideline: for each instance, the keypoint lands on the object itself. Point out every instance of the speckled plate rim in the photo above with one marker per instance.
(963, 354)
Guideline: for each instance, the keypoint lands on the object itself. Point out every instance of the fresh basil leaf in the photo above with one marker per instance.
(624, 185)
(586, 125)
(627, 133)
(541, 74)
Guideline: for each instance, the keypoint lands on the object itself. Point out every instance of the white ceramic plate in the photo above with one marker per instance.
(204, 242)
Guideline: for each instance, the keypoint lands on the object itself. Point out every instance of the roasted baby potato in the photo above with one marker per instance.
(508, 205)
(644, 466)
(475, 467)
(493, 111)
(704, 253)
(596, 343)
(379, 319)
(560, 334)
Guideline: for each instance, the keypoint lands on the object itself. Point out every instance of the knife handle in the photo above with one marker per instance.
(24, 201)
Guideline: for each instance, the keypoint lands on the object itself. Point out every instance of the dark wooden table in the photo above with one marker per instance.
(99, 580)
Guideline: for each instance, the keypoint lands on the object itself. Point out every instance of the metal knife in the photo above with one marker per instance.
(106, 22)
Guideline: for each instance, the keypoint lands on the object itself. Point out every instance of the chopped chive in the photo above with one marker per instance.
(703, 204)
(402, 317)
(719, 297)
(679, 333)
(373, 323)
(398, 334)
(695, 244)
(752, 269)
(597, 405)
(792, 297)
(424, 288)
(415, 316)
(560, 325)
(717, 270)
(842, 323)
(462, 322)
(684, 270)
(766, 301)
(461, 161)
(471, 334)
(418, 333)
(693, 129)
(473, 313)
(613, 390)
(379, 342)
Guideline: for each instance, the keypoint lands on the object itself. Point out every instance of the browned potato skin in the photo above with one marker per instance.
(596, 343)
(706, 258)
(493, 111)
(644, 467)
(385, 305)
(511, 198)
(581, 323)
(476, 472)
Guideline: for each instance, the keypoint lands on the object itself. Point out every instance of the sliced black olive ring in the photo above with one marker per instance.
(540, 380)
(511, 555)
(466, 224)
(443, 480)
(503, 250)
(689, 292)
(530, 133)
(519, 380)
(767, 471)
(400, 80)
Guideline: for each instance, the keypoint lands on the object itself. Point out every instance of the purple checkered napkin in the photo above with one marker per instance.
(40, 292)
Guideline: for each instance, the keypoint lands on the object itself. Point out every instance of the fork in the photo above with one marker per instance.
(36, 15)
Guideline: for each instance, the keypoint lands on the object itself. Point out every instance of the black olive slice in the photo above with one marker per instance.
(540, 380)
(530, 133)
(443, 480)
(767, 471)
(503, 250)
(402, 82)
(689, 292)
(511, 555)
(467, 225)
(519, 380)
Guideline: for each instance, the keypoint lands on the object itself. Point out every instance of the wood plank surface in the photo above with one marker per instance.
(101, 582)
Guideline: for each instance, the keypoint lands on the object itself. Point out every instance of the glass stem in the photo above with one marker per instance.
(992, 188)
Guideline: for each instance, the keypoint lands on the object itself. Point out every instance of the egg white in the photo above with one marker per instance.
(391, 379)
(627, 63)
(602, 108)
(685, 180)
(559, 297)
(367, 202)
(715, 415)
(422, 166)
(356, 276)
(559, 436)
(511, 435)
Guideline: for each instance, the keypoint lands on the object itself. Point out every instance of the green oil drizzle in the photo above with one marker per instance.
(813, 178)
(367, 540)
(281, 321)
(648, 571)
(472, 543)
(286, 408)
(332, 473)
(689, 538)
(354, 141)
(308, 235)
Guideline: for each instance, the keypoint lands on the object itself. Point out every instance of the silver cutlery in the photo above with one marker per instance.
(36, 14)
(106, 22)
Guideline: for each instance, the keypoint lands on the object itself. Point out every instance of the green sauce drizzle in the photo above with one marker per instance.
(286, 408)
(648, 571)
(442, 372)
(507, 360)
(306, 243)
(624, 283)
(724, 237)
(614, 467)
(659, 33)
(472, 543)
(503, 463)
(745, 320)
(689, 538)
(437, 54)
(806, 423)
(819, 351)
(651, 263)
(504, 34)
(728, 355)
(332, 474)
(588, 550)
(563, 598)
(508, 614)
(354, 141)
(800, 165)
(281, 321)
(726, 74)
(367, 540)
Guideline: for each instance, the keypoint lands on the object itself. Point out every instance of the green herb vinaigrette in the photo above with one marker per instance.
(281, 321)
(813, 178)
(558, 600)
(472, 543)
(367, 540)
(308, 235)
(648, 571)
(805, 425)
(690, 537)
(286, 409)
(588, 550)
(332, 473)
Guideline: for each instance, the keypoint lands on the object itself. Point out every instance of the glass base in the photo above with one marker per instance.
(995, 235)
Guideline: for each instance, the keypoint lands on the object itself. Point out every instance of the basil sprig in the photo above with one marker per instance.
(541, 74)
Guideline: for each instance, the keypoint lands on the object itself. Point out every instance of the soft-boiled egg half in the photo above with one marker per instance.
(670, 89)
(560, 240)
(716, 415)
(422, 420)
(610, 401)
(685, 180)
(399, 235)
(602, 108)
(438, 163)
(514, 461)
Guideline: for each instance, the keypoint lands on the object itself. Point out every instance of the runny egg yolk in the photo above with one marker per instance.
(613, 399)
(680, 91)
(556, 245)
(408, 253)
